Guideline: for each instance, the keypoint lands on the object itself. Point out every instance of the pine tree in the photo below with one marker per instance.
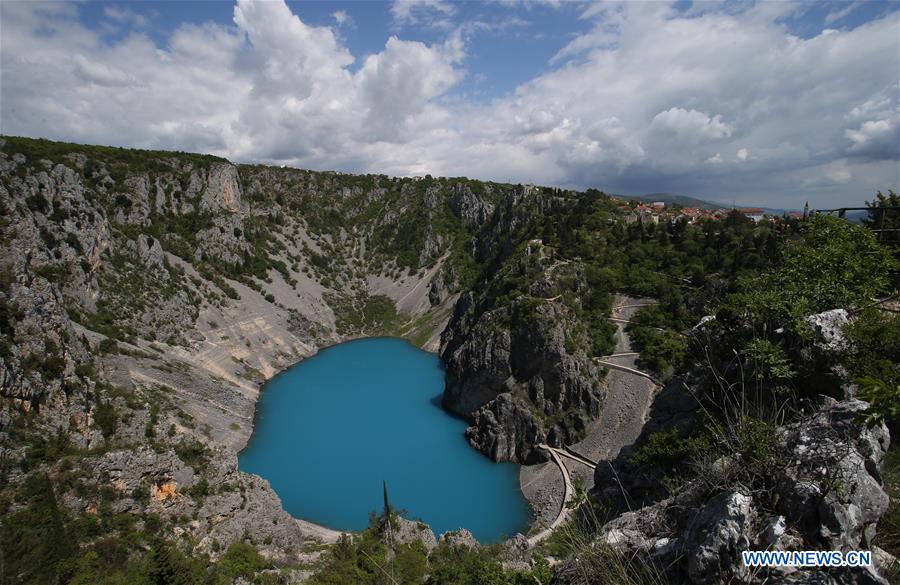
(390, 529)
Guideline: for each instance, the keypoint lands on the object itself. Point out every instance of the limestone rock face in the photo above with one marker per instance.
(461, 537)
(150, 252)
(818, 363)
(699, 539)
(407, 531)
(516, 380)
(639, 530)
(437, 290)
(479, 368)
(129, 469)
(505, 429)
(468, 207)
(223, 190)
(718, 534)
(851, 455)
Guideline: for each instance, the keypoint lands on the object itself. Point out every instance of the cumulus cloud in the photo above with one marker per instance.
(647, 99)
(876, 136)
(837, 171)
(691, 125)
(398, 84)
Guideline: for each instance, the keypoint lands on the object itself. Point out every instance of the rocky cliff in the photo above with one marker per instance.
(517, 350)
(518, 377)
(146, 295)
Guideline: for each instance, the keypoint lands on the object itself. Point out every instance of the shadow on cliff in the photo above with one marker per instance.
(673, 406)
(437, 401)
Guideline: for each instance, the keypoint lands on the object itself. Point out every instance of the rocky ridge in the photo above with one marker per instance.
(147, 295)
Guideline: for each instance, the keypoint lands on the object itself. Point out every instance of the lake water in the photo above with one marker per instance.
(331, 428)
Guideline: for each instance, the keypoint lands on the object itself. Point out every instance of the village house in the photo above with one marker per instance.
(691, 214)
(754, 213)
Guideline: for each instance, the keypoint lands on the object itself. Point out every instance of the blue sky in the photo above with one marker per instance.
(509, 44)
(761, 103)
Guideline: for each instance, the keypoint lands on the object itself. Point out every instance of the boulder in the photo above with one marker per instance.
(437, 290)
(407, 531)
(828, 329)
(717, 536)
(832, 488)
(456, 538)
(150, 253)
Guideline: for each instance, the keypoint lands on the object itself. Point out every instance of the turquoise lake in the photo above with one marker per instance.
(331, 428)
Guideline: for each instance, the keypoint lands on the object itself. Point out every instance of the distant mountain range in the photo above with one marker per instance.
(670, 198)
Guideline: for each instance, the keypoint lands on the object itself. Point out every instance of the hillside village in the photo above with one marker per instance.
(635, 211)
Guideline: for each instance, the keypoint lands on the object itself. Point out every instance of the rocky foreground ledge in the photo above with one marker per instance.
(707, 533)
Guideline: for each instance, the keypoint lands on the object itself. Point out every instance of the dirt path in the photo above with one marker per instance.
(621, 419)
(568, 492)
(627, 401)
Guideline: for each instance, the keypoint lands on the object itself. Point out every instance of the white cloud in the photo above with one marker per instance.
(646, 100)
(340, 16)
(691, 125)
(123, 15)
(868, 132)
(433, 13)
(609, 20)
(836, 15)
(398, 84)
(837, 172)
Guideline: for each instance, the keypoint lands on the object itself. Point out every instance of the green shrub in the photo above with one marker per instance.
(36, 542)
(150, 427)
(105, 417)
(669, 448)
(888, 536)
(108, 345)
(874, 339)
(883, 398)
(241, 559)
(193, 453)
(835, 264)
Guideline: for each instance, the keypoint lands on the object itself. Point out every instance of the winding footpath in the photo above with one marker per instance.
(629, 395)
(569, 491)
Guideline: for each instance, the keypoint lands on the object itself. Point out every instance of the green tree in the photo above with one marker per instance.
(37, 548)
(834, 264)
(171, 566)
(241, 559)
(884, 219)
